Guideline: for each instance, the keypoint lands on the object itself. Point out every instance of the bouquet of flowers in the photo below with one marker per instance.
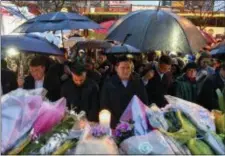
(57, 141)
(98, 131)
(123, 131)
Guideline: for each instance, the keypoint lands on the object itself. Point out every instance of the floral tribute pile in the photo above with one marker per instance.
(39, 127)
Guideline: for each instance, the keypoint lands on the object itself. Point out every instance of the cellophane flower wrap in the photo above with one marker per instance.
(198, 115)
(18, 116)
(49, 115)
(151, 143)
(136, 112)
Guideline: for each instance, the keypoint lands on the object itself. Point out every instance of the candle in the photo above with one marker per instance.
(104, 118)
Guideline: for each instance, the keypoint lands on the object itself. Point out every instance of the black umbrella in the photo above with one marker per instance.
(56, 21)
(123, 49)
(157, 30)
(93, 44)
(29, 44)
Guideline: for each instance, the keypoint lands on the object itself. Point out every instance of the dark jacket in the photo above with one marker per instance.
(8, 81)
(84, 98)
(55, 77)
(157, 88)
(105, 65)
(29, 83)
(115, 97)
(94, 75)
(207, 96)
(185, 89)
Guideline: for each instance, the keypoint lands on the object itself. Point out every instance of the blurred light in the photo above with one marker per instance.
(12, 52)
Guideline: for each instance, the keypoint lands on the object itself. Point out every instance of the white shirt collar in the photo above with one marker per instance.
(160, 74)
(125, 83)
(39, 83)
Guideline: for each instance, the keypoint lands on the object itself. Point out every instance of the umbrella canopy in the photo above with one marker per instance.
(105, 27)
(208, 37)
(157, 30)
(29, 44)
(56, 21)
(93, 44)
(122, 49)
(220, 50)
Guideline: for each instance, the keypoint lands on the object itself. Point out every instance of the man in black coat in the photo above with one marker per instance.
(56, 76)
(36, 79)
(81, 93)
(159, 84)
(207, 96)
(118, 90)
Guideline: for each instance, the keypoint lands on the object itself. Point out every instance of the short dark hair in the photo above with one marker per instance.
(78, 69)
(122, 58)
(190, 65)
(38, 61)
(164, 59)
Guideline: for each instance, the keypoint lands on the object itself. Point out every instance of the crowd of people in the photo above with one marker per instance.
(110, 83)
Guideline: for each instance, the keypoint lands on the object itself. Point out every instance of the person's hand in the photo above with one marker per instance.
(20, 82)
(150, 75)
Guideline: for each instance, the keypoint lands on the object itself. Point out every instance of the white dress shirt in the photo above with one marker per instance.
(39, 83)
(125, 83)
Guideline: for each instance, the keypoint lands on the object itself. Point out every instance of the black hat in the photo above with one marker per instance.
(190, 65)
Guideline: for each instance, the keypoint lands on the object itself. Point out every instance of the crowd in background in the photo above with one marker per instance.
(110, 82)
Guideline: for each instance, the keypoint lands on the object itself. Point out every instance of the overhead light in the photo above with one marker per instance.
(12, 52)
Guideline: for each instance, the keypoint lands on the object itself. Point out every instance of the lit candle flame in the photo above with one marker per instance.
(105, 118)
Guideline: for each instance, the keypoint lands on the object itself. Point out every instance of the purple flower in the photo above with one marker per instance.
(98, 131)
(122, 128)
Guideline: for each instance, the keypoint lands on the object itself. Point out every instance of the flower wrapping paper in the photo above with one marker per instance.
(49, 115)
(136, 111)
(18, 115)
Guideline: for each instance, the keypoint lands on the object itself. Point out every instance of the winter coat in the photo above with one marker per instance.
(115, 96)
(185, 89)
(157, 87)
(208, 97)
(85, 97)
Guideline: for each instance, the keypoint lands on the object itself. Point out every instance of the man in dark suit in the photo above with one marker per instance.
(56, 76)
(118, 90)
(81, 93)
(159, 84)
(36, 79)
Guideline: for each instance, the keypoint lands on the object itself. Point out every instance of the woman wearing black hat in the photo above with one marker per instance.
(185, 86)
